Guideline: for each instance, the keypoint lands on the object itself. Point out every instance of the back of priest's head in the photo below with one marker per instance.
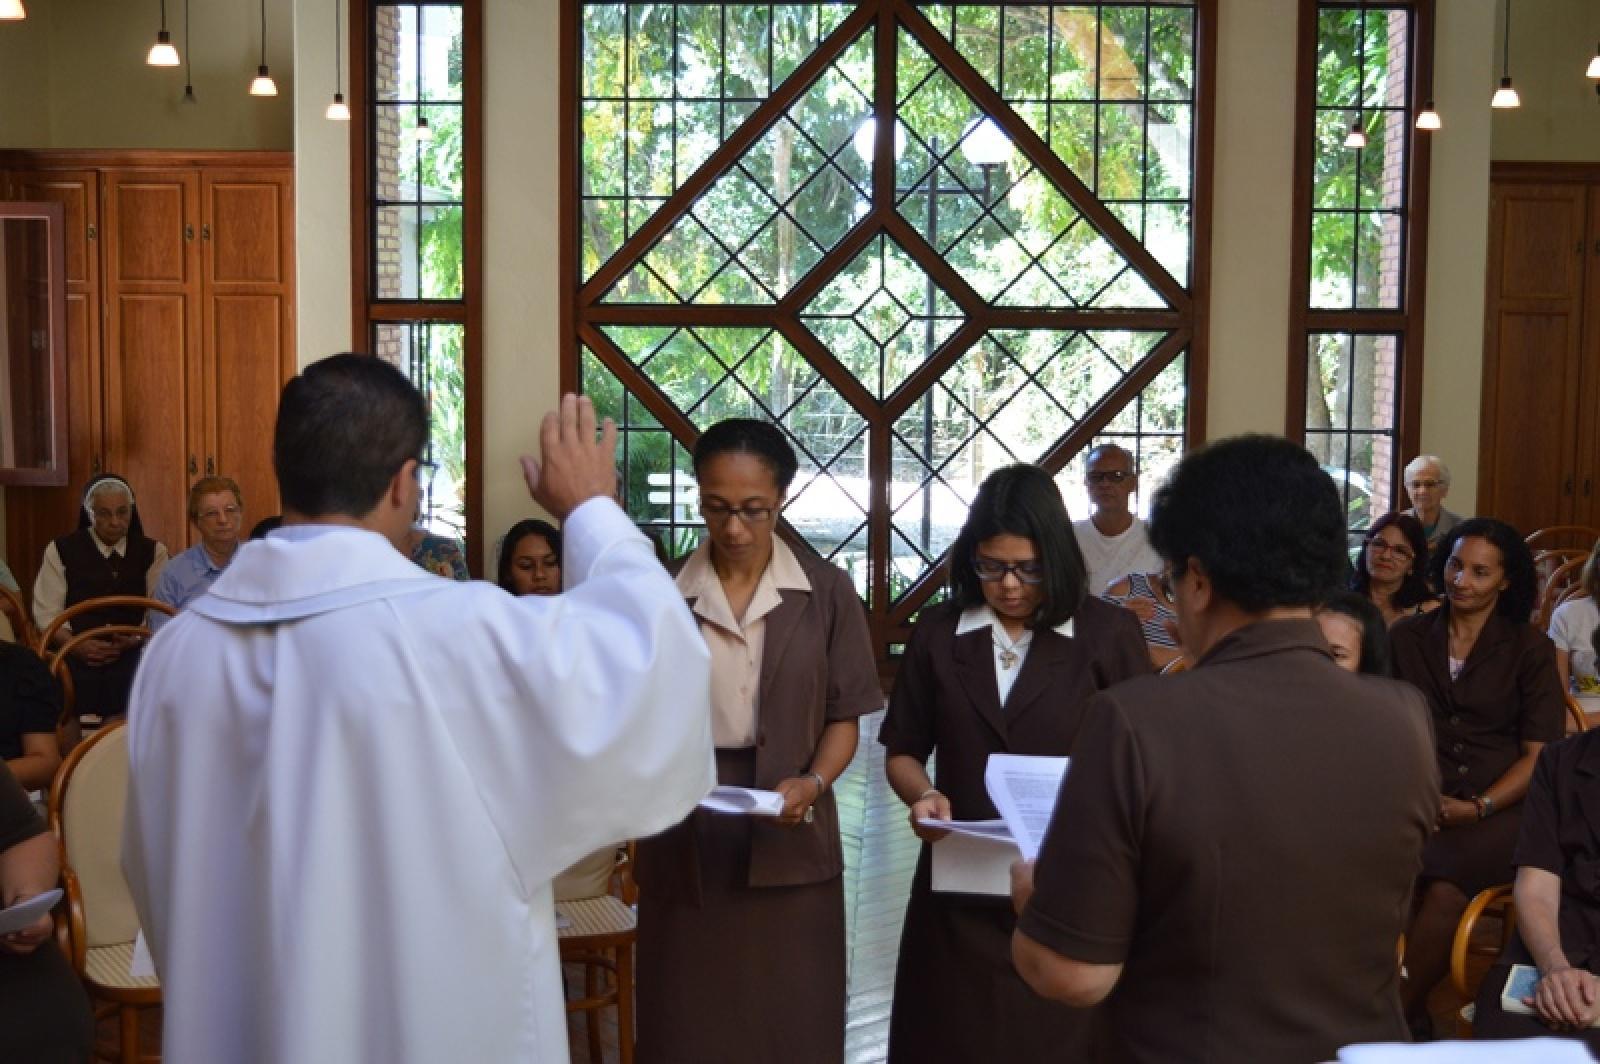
(346, 425)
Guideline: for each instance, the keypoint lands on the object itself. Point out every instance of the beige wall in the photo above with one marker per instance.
(79, 66)
(1250, 306)
(1552, 42)
(322, 191)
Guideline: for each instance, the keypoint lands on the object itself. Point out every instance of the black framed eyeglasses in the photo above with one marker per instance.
(750, 515)
(426, 471)
(990, 571)
(1111, 476)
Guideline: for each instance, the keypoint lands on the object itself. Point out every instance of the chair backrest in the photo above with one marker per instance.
(1177, 664)
(1580, 536)
(15, 625)
(1561, 579)
(1575, 714)
(86, 805)
(1496, 901)
(90, 605)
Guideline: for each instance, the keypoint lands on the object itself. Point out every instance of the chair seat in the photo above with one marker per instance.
(108, 966)
(604, 915)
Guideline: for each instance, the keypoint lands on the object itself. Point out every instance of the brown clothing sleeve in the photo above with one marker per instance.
(1130, 653)
(1539, 844)
(853, 685)
(908, 727)
(1086, 881)
(18, 821)
(1544, 706)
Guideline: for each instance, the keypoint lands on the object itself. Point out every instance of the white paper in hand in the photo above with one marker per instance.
(745, 801)
(1024, 790)
(26, 913)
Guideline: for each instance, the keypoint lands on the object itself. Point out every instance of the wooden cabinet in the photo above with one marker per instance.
(180, 330)
(1539, 451)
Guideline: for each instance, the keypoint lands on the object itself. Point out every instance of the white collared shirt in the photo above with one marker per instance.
(736, 643)
(982, 616)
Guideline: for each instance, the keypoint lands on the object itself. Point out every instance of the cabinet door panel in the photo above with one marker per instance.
(152, 388)
(245, 220)
(150, 220)
(247, 332)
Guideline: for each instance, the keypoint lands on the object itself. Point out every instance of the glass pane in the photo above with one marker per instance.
(1379, 273)
(394, 51)
(431, 354)
(439, 267)
(1151, 427)
(394, 245)
(1333, 255)
(442, 43)
(1352, 409)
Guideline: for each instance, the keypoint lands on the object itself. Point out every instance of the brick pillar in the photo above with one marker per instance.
(388, 40)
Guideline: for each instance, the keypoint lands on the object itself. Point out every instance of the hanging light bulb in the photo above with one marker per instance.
(424, 131)
(1428, 118)
(11, 11)
(162, 54)
(1357, 137)
(188, 59)
(338, 110)
(1505, 97)
(263, 85)
(1593, 71)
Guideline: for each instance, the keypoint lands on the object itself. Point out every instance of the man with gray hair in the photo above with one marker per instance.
(1427, 484)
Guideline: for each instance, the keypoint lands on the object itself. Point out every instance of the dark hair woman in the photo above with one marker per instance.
(1392, 568)
(1356, 633)
(530, 559)
(741, 919)
(1491, 683)
(1005, 666)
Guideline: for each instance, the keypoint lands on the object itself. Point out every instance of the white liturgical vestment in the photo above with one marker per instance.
(352, 783)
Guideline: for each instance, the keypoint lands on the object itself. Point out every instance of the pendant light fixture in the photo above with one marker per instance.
(11, 11)
(263, 85)
(162, 54)
(188, 59)
(424, 131)
(1357, 137)
(338, 110)
(1428, 118)
(1505, 97)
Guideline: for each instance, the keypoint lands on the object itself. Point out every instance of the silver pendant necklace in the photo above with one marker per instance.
(1009, 647)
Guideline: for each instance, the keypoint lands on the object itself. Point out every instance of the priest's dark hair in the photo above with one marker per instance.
(346, 425)
(745, 435)
(1260, 516)
(1023, 500)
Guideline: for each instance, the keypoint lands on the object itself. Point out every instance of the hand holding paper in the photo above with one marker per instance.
(743, 801)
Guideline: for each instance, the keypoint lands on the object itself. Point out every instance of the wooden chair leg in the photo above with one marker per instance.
(129, 1015)
(591, 1017)
(625, 1003)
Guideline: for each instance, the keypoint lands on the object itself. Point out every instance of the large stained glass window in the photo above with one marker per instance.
(926, 240)
(1355, 354)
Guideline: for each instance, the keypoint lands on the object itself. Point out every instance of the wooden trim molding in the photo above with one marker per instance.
(97, 158)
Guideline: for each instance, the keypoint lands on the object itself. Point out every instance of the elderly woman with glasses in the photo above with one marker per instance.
(741, 919)
(1005, 665)
(1392, 568)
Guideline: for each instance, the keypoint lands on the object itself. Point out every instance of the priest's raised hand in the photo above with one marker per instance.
(574, 466)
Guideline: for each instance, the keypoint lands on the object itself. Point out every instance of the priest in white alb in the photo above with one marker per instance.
(352, 782)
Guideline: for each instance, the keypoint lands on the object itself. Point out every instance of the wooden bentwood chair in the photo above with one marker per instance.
(600, 935)
(1465, 975)
(86, 806)
(15, 624)
(69, 730)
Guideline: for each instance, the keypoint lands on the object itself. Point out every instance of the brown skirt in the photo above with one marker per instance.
(749, 974)
(1475, 857)
(958, 998)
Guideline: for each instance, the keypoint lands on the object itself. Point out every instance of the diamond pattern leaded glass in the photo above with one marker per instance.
(1001, 289)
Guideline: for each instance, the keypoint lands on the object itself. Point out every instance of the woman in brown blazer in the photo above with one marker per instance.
(1491, 683)
(1005, 666)
(741, 919)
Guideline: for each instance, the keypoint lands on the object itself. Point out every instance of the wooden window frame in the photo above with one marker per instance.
(1406, 322)
(369, 311)
(1188, 317)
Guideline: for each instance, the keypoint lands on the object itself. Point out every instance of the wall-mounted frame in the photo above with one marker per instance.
(33, 345)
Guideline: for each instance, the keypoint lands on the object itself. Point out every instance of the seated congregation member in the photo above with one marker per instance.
(109, 554)
(1142, 593)
(1194, 876)
(439, 555)
(30, 703)
(741, 919)
(1004, 666)
(1557, 906)
(347, 855)
(44, 1015)
(217, 511)
(530, 559)
(1427, 483)
(1572, 630)
(1392, 568)
(1491, 684)
(1356, 633)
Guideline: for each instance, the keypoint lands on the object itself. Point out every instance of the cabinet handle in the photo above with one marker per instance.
(93, 231)
(188, 232)
(205, 234)
(94, 466)
(1588, 482)
(211, 466)
(1566, 485)
(193, 466)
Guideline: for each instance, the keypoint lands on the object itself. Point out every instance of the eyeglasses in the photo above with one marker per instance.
(1383, 546)
(228, 512)
(1114, 476)
(1425, 485)
(426, 471)
(751, 515)
(990, 571)
(121, 513)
